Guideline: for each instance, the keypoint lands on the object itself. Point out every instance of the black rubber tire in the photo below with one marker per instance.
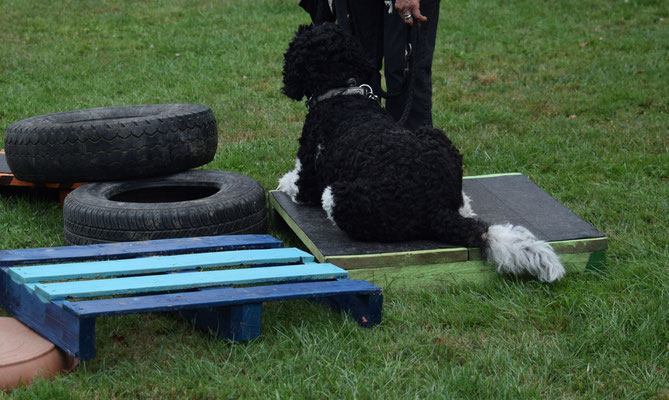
(187, 204)
(111, 143)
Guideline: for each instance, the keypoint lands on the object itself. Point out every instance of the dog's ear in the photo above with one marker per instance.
(295, 64)
(323, 57)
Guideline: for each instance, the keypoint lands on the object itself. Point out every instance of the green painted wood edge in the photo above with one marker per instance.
(575, 246)
(382, 260)
(295, 228)
(581, 245)
(414, 276)
(492, 175)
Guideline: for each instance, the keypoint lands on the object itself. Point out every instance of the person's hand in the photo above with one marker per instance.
(409, 10)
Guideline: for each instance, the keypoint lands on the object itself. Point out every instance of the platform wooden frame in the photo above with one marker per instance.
(586, 250)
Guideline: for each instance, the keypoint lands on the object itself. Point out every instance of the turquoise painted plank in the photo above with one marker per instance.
(149, 265)
(187, 280)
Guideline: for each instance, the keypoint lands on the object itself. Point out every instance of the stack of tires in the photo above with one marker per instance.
(139, 161)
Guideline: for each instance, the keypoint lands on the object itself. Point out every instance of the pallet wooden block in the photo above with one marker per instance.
(502, 198)
(201, 278)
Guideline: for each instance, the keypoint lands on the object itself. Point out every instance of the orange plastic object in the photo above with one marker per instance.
(25, 355)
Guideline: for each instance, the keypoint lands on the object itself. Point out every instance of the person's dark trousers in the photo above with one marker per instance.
(384, 34)
(365, 20)
(395, 38)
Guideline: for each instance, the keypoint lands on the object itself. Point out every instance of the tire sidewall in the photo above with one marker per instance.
(239, 205)
(231, 187)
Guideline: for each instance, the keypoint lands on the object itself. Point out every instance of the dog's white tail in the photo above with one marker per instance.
(511, 249)
(515, 250)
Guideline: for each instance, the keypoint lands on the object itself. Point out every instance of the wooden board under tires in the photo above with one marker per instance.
(9, 182)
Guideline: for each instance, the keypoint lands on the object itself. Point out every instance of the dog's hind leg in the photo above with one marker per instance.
(360, 209)
(454, 228)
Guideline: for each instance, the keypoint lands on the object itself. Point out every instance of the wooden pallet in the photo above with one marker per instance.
(200, 278)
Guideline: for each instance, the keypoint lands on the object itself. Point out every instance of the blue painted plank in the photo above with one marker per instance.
(112, 251)
(187, 280)
(158, 264)
(219, 297)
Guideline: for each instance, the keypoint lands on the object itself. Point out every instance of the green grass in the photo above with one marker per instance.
(571, 93)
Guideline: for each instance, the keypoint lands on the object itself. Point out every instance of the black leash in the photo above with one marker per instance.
(412, 35)
(410, 55)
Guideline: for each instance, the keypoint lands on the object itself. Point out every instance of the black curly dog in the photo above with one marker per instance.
(376, 180)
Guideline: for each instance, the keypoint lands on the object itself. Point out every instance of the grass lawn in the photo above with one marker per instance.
(573, 94)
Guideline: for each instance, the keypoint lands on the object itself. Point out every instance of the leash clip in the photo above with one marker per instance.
(369, 92)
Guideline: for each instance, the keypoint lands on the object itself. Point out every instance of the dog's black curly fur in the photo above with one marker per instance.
(388, 183)
(376, 180)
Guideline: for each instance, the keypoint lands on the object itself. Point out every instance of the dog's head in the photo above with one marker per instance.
(321, 58)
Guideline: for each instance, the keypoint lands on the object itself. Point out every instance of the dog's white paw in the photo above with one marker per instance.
(288, 183)
(328, 203)
(466, 210)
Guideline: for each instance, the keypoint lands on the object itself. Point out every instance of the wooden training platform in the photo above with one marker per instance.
(502, 198)
(198, 277)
